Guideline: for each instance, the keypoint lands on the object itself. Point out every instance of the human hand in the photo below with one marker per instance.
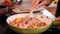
(58, 18)
(39, 3)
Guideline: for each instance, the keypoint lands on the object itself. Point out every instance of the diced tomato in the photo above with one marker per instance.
(21, 25)
(47, 17)
(26, 22)
(18, 24)
(41, 24)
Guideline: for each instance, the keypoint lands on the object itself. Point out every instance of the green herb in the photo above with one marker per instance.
(13, 1)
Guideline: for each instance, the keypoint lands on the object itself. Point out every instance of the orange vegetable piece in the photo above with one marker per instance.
(17, 20)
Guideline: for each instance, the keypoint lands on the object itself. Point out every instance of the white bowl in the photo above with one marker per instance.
(27, 30)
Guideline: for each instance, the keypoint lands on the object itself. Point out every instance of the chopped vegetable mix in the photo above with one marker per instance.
(30, 23)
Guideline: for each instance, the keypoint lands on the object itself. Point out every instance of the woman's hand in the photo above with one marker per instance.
(58, 18)
(39, 3)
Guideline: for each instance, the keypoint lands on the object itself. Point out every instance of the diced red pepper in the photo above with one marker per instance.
(7, 3)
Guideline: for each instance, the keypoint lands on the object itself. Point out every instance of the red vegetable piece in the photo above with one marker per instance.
(7, 3)
(41, 24)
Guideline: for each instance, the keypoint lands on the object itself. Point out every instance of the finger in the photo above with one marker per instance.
(41, 4)
(35, 4)
(33, 1)
(44, 2)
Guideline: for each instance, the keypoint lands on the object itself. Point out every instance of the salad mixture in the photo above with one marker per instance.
(29, 22)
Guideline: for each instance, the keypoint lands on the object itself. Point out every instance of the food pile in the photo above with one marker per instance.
(30, 22)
